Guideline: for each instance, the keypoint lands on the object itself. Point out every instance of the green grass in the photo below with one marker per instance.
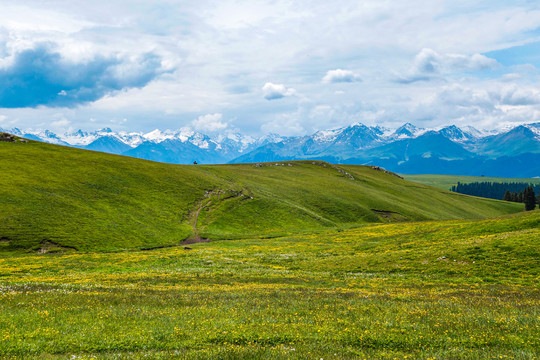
(53, 198)
(447, 181)
(457, 289)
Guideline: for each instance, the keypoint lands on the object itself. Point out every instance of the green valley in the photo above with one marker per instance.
(111, 257)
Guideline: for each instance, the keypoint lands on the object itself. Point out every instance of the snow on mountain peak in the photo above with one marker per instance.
(408, 126)
(157, 136)
(271, 138)
(327, 135)
(79, 138)
(408, 130)
(244, 139)
(472, 131)
(535, 128)
(234, 140)
(454, 133)
(356, 124)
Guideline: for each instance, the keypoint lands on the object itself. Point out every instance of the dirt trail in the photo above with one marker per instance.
(205, 203)
(196, 238)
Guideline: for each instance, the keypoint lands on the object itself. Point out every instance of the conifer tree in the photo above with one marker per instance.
(507, 196)
(529, 199)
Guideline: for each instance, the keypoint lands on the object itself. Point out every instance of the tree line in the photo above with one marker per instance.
(517, 192)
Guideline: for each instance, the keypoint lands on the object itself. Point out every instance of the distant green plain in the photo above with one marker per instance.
(447, 181)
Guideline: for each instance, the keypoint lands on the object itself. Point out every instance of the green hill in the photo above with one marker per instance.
(54, 196)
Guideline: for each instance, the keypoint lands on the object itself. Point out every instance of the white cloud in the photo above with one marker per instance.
(340, 76)
(511, 77)
(210, 123)
(276, 91)
(481, 105)
(118, 121)
(493, 98)
(60, 123)
(430, 61)
(517, 96)
(429, 64)
(284, 124)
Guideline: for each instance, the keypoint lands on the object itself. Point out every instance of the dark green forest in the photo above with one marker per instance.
(502, 191)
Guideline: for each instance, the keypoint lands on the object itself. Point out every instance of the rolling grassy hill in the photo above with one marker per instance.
(57, 196)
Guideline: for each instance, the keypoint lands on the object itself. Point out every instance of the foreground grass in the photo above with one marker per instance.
(432, 290)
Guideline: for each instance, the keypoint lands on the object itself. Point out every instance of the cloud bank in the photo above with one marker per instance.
(210, 123)
(42, 76)
(136, 66)
(429, 64)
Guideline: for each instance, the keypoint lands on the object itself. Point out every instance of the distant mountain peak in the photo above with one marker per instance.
(456, 134)
(77, 133)
(407, 130)
(521, 129)
(357, 124)
(49, 133)
(158, 135)
(407, 125)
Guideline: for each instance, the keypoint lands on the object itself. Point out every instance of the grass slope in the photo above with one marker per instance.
(94, 201)
(459, 289)
(447, 181)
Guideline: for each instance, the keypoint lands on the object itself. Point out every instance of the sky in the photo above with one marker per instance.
(275, 66)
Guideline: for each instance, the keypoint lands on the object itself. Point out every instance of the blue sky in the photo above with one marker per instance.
(267, 66)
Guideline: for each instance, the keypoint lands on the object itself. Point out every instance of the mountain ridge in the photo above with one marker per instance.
(356, 143)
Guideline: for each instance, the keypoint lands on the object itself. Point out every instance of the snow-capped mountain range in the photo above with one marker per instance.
(407, 149)
(81, 138)
(181, 146)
